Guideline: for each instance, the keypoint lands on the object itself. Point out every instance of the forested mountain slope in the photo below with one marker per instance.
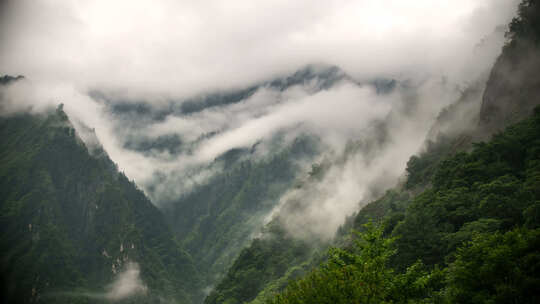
(513, 88)
(217, 219)
(446, 210)
(473, 237)
(492, 189)
(271, 259)
(74, 229)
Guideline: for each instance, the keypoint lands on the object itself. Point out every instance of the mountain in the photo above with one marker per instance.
(462, 225)
(472, 237)
(316, 76)
(7, 79)
(217, 219)
(513, 88)
(266, 259)
(135, 116)
(212, 222)
(74, 229)
(438, 227)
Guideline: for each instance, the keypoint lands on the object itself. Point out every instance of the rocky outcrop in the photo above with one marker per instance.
(513, 88)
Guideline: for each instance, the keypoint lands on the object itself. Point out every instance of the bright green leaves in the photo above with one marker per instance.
(497, 268)
(363, 276)
(478, 219)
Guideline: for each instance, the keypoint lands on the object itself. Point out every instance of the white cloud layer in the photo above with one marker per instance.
(159, 50)
(165, 47)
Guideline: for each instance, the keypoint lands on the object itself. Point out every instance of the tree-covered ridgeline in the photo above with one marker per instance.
(216, 219)
(474, 237)
(70, 223)
(470, 220)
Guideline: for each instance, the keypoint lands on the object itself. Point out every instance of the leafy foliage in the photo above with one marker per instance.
(216, 220)
(266, 259)
(497, 268)
(490, 184)
(475, 229)
(527, 25)
(69, 221)
(420, 169)
(361, 276)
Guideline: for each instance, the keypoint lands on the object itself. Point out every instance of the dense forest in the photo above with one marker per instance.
(470, 236)
(216, 220)
(462, 228)
(473, 237)
(73, 222)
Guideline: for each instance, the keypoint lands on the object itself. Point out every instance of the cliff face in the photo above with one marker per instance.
(513, 88)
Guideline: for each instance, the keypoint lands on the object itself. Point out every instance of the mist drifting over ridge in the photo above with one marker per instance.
(163, 53)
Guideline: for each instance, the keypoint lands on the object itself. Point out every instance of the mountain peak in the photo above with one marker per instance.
(326, 75)
(7, 79)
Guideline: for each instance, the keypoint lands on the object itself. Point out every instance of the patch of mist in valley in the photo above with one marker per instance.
(126, 284)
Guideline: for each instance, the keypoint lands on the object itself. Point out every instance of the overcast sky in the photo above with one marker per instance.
(169, 47)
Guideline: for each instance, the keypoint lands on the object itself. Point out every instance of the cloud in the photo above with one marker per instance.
(162, 53)
(339, 111)
(370, 162)
(162, 48)
(127, 283)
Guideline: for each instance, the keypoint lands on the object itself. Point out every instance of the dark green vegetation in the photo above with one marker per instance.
(493, 187)
(361, 275)
(215, 220)
(69, 221)
(474, 237)
(464, 228)
(492, 268)
(273, 258)
(267, 259)
(513, 88)
(478, 221)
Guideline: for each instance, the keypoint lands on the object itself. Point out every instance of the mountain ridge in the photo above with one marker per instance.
(73, 235)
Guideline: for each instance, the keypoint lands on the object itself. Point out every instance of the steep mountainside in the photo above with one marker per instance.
(448, 199)
(493, 189)
(217, 219)
(266, 259)
(272, 258)
(74, 229)
(473, 237)
(319, 76)
(513, 88)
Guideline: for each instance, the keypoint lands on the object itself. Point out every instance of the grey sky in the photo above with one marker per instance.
(165, 47)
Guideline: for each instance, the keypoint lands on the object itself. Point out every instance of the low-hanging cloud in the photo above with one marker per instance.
(341, 111)
(162, 48)
(158, 51)
(127, 283)
(374, 161)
